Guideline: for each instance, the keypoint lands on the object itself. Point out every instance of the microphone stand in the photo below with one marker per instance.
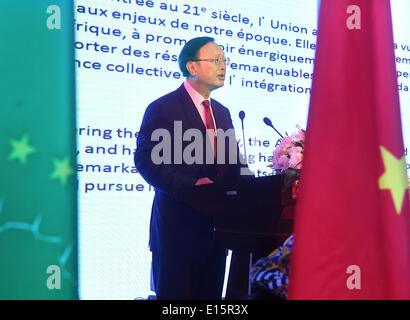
(242, 116)
(244, 144)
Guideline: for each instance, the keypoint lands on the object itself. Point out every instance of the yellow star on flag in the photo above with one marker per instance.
(21, 149)
(62, 170)
(394, 177)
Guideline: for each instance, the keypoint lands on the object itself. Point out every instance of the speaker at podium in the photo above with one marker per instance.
(252, 218)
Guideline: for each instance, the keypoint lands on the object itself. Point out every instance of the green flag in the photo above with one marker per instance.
(38, 217)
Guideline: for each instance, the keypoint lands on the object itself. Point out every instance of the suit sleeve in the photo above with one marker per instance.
(167, 177)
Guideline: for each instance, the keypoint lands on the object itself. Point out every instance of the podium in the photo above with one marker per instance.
(252, 218)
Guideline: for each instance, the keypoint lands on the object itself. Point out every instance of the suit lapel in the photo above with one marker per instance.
(192, 115)
(218, 115)
(189, 110)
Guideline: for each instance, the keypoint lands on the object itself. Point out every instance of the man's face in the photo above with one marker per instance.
(208, 74)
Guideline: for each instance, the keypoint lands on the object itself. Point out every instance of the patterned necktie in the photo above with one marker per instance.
(209, 123)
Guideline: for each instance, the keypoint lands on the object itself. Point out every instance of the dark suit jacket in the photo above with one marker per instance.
(175, 226)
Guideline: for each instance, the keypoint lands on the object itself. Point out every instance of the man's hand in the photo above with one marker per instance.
(203, 181)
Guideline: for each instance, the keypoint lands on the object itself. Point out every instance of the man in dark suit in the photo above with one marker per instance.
(177, 149)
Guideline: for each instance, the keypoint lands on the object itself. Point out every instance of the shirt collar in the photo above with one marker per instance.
(196, 97)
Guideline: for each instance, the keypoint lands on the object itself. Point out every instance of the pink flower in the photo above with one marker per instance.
(295, 161)
(300, 135)
(289, 154)
(286, 143)
(276, 155)
(294, 150)
(283, 163)
(279, 151)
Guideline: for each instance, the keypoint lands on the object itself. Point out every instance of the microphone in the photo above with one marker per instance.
(245, 169)
(242, 116)
(269, 124)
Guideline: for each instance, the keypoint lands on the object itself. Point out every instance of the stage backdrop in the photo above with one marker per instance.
(126, 56)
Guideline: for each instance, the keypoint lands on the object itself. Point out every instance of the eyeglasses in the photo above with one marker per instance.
(218, 61)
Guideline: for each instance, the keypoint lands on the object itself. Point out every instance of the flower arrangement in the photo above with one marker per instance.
(287, 159)
(289, 154)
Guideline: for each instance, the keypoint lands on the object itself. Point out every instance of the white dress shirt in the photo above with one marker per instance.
(197, 98)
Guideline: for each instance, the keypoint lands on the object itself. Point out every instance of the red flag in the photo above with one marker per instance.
(352, 229)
